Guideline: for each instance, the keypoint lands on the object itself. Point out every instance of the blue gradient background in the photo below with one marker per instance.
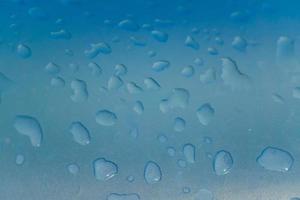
(245, 122)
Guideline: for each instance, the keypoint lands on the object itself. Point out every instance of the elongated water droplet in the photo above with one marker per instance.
(115, 196)
(189, 152)
(30, 127)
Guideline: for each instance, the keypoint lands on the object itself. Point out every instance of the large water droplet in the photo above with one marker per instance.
(30, 127)
(275, 159)
(152, 173)
(222, 163)
(104, 169)
(80, 133)
(106, 118)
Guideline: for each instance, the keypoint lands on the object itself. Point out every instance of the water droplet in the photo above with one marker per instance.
(296, 92)
(159, 36)
(57, 82)
(133, 88)
(138, 107)
(232, 76)
(20, 159)
(205, 114)
(73, 168)
(37, 13)
(222, 163)
(61, 34)
(115, 196)
(114, 83)
(130, 178)
(189, 152)
(191, 42)
(95, 69)
(151, 84)
(186, 190)
(96, 49)
(179, 98)
(239, 44)
(134, 132)
(198, 61)
(278, 98)
(79, 90)
(160, 65)
(162, 138)
(188, 71)
(120, 70)
(171, 151)
(151, 54)
(285, 47)
(23, 51)
(179, 124)
(212, 51)
(181, 163)
(128, 25)
(137, 41)
(204, 194)
(208, 76)
(152, 173)
(30, 127)
(52, 68)
(80, 133)
(104, 169)
(275, 159)
(106, 118)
